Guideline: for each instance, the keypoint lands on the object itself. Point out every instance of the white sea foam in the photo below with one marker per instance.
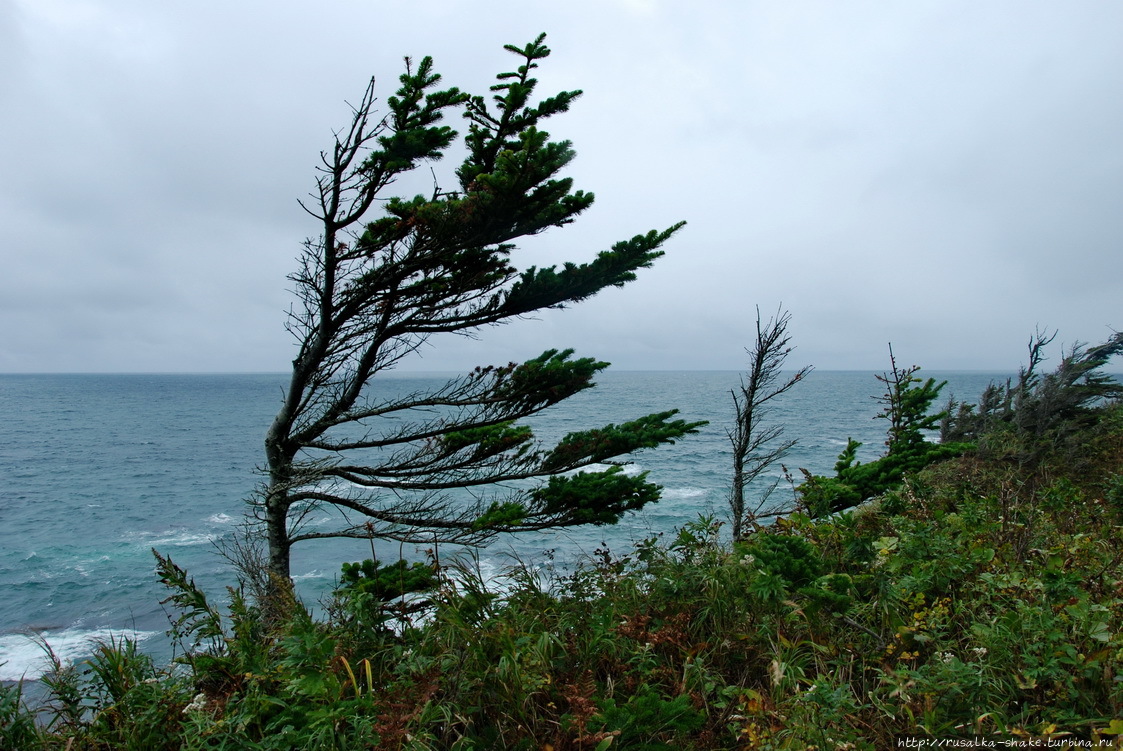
(683, 493)
(488, 571)
(313, 574)
(630, 469)
(81, 566)
(22, 656)
(220, 518)
(173, 538)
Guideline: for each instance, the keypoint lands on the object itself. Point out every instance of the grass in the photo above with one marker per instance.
(984, 596)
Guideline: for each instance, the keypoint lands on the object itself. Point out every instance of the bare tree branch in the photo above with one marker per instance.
(754, 443)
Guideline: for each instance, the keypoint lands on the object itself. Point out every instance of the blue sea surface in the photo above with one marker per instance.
(97, 470)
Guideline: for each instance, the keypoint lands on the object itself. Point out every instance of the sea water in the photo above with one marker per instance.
(98, 470)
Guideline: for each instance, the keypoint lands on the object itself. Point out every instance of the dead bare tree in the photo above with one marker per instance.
(757, 445)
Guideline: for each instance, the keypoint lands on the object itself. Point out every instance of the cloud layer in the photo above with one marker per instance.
(945, 176)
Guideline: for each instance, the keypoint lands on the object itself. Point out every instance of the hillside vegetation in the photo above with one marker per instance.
(981, 595)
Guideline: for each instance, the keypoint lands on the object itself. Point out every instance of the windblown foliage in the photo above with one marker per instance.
(906, 405)
(982, 597)
(389, 272)
(1039, 413)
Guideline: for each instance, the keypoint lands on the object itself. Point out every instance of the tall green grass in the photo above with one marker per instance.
(983, 596)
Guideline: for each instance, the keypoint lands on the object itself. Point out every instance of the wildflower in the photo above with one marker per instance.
(946, 657)
(748, 560)
(198, 704)
(980, 652)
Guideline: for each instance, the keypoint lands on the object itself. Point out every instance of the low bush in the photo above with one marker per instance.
(979, 595)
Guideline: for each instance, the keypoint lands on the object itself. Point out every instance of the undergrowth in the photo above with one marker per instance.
(983, 596)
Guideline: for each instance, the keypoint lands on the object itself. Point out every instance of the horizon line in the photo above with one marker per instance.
(436, 372)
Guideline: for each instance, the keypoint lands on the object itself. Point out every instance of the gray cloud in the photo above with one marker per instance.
(945, 176)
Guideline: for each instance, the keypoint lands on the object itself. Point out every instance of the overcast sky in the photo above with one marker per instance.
(946, 176)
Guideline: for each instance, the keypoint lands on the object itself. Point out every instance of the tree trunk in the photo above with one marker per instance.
(277, 498)
(737, 499)
(276, 530)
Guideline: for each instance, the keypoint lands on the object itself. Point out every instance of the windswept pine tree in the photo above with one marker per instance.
(389, 272)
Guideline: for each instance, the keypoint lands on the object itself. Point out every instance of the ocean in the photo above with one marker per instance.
(97, 470)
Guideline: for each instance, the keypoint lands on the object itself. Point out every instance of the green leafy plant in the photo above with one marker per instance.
(647, 721)
(367, 591)
(17, 723)
(907, 404)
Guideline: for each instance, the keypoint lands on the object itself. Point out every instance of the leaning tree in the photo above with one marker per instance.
(756, 444)
(386, 274)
